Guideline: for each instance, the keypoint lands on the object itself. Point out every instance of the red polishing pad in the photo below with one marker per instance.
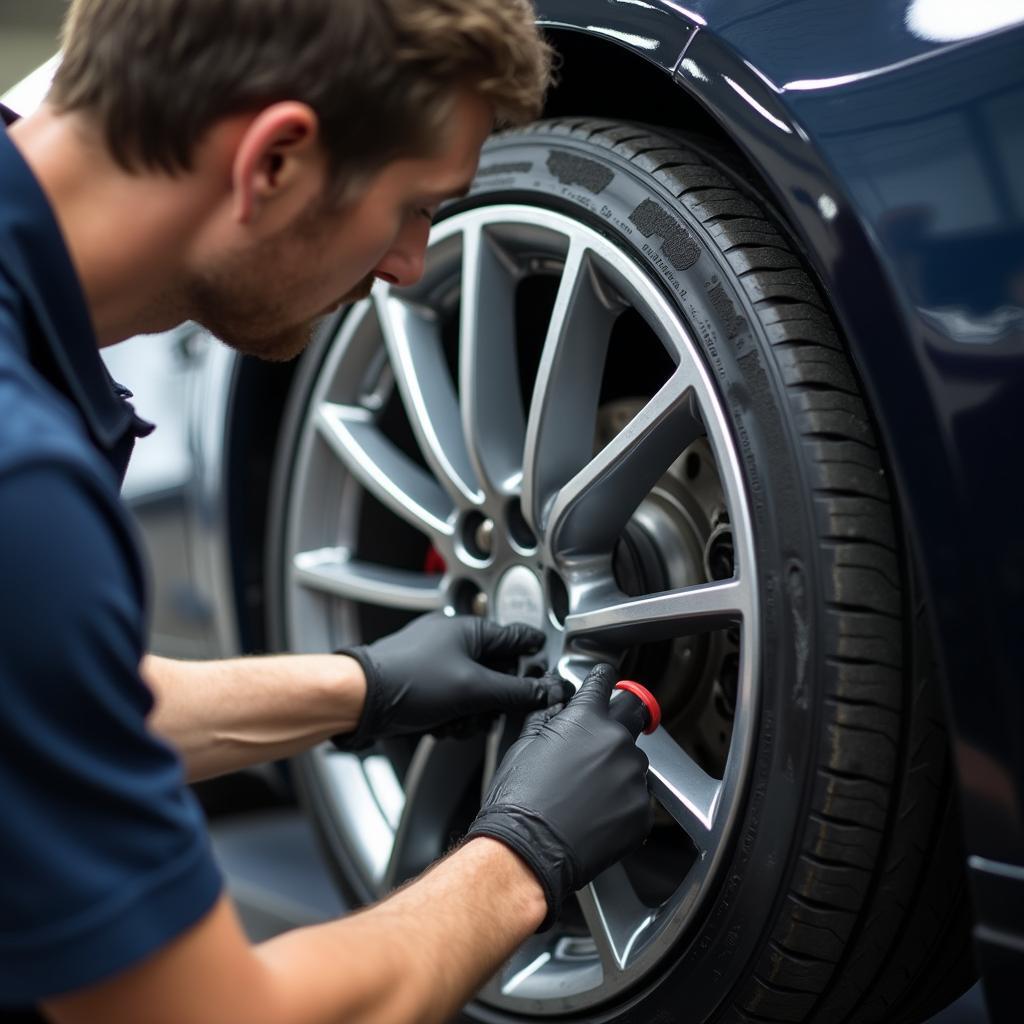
(648, 700)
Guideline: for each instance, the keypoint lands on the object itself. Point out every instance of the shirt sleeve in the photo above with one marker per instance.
(104, 856)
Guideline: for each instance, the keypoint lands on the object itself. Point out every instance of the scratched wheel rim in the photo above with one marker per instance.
(541, 499)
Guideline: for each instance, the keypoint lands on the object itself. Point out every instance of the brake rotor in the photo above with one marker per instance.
(680, 536)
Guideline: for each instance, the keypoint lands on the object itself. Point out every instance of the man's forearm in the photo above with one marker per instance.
(422, 953)
(225, 715)
(414, 959)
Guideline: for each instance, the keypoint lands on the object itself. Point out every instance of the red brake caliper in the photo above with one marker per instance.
(433, 564)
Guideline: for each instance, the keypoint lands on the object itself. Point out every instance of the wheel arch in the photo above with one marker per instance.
(781, 163)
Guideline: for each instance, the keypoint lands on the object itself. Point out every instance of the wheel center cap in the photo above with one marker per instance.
(519, 597)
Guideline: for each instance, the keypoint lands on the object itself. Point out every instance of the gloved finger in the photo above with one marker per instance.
(519, 693)
(504, 643)
(535, 722)
(463, 728)
(597, 688)
(560, 691)
(532, 725)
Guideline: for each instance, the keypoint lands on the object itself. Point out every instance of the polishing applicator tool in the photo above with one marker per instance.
(635, 707)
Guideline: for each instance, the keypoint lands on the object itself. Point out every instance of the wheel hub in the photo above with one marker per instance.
(519, 597)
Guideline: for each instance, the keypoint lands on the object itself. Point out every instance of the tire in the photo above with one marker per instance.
(834, 891)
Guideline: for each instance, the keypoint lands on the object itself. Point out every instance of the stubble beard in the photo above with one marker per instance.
(232, 310)
(214, 309)
(233, 307)
(227, 312)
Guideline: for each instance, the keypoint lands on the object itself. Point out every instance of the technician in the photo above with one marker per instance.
(250, 165)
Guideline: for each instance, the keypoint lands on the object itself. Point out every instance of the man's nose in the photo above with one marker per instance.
(403, 264)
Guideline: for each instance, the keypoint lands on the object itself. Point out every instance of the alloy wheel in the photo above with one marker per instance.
(443, 467)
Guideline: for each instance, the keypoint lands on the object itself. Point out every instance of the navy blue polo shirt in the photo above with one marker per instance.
(104, 857)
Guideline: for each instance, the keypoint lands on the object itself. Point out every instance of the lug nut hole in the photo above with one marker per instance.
(719, 555)
(558, 597)
(468, 599)
(478, 535)
(518, 529)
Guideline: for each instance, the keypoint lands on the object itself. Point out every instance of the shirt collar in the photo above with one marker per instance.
(35, 258)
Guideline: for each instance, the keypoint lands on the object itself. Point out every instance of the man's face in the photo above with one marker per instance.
(264, 300)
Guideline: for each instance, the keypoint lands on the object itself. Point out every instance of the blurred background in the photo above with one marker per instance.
(28, 36)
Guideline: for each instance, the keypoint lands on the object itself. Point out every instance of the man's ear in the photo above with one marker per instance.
(278, 148)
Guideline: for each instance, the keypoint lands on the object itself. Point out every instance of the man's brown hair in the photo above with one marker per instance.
(381, 75)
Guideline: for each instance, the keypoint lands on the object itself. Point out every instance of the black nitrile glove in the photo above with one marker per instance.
(570, 796)
(443, 675)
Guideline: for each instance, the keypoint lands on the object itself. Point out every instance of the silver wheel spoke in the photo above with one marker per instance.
(522, 968)
(390, 475)
(435, 785)
(563, 409)
(492, 409)
(615, 916)
(333, 571)
(591, 510)
(637, 620)
(413, 341)
(682, 787)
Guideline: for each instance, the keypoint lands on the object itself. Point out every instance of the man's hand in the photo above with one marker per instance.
(570, 796)
(440, 674)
